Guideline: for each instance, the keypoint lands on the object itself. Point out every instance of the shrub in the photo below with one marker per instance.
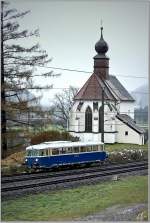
(127, 155)
(52, 135)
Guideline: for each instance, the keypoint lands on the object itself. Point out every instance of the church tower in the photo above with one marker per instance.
(102, 103)
(101, 61)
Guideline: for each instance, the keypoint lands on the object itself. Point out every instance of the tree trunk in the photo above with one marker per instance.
(3, 112)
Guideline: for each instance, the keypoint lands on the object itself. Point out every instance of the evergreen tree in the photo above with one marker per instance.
(18, 68)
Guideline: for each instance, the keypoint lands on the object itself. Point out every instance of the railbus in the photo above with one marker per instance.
(58, 153)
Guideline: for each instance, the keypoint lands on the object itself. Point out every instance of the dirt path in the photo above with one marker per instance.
(117, 213)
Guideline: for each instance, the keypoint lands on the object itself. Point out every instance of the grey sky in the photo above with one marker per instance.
(70, 29)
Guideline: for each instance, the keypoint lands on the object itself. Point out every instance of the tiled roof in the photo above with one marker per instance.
(130, 122)
(92, 90)
(118, 89)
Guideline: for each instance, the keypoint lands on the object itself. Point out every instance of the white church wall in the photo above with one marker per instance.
(77, 123)
(110, 138)
(127, 135)
(127, 108)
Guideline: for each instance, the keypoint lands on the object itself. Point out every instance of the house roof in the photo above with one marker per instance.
(92, 90)
(130, 122)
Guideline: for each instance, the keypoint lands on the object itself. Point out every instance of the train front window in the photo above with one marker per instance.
(33, 152)
(29, 152)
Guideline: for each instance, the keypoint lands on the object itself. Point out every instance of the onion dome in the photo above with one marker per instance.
(101, 46)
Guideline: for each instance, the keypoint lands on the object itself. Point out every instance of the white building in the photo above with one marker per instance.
(88, 112)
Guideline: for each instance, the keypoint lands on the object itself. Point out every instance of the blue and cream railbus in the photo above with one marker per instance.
(58, 153)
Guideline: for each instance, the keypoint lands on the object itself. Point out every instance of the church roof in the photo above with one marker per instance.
(113, 89)
(130, 122)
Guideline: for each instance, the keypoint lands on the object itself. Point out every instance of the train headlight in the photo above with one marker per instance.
(26, 160)
(36, 159)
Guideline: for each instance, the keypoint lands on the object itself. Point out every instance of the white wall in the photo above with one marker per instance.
(108, 137)
(77, 118)
(127, 108)
(132, 137)
(111, 124)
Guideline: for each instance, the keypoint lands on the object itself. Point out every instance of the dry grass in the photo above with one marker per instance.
(13, 159)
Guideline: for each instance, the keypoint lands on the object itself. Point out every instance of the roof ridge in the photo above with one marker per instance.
(104, 82)
(111, 90)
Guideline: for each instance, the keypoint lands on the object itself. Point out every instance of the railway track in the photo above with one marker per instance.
(18, 185)
(49, 173)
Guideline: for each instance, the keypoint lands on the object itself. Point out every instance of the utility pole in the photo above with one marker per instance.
(3, 102)
(102, 117)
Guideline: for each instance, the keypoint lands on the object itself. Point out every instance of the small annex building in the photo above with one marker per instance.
(104, 97)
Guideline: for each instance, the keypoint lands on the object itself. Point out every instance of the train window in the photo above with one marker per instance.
(41, 153)
(55, 151)
(76, 149)
(62, 151)
(82, 149)
(45, 152)
(100, 147)
(89, 148)
(95, 148)
(69, 150)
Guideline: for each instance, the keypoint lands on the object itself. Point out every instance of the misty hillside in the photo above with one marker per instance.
(140, 94)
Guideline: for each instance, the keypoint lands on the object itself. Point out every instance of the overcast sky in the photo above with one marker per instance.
(70, 29)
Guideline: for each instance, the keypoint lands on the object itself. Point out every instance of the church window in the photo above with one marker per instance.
(88, 120)
(126, 133)
(95, 106)
(79, 106)
(100, 119)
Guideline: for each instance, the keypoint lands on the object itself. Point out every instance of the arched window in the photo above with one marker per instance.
(100, 119)
(88, 120)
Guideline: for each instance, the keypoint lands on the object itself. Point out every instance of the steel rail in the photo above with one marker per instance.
(44, 175)
(77, 177)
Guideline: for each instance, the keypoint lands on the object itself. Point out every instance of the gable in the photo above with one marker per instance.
(130, 122)
(113, 90)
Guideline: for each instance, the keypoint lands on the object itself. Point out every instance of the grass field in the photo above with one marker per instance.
(73, 203)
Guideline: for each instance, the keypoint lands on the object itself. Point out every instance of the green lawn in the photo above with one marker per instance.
(121, 146)
(73, 203)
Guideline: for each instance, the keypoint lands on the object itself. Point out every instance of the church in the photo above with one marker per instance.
(103, 109)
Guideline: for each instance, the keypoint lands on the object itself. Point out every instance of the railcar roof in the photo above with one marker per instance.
(64, 144)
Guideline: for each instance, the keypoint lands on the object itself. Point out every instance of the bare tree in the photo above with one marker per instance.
(62, 104)
(18, 68)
